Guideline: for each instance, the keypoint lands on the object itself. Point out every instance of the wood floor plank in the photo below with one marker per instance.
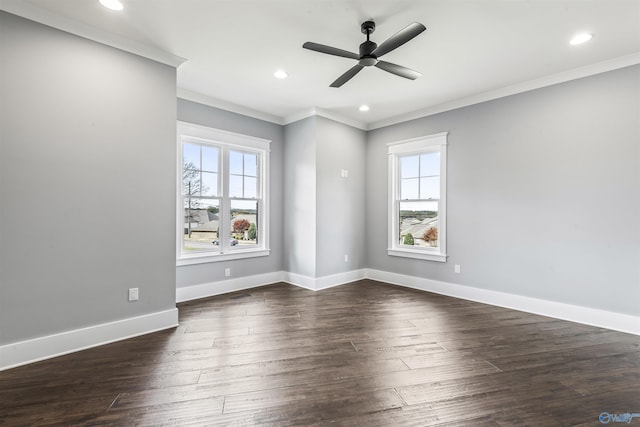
(315, 335)
(361, 354)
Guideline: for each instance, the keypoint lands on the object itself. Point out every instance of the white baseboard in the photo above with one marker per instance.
(339, 279)
(589, 316)
(29, 351)
(300, 280)
(205, 290)
(34, 350)
(189, 293)
(324, 282)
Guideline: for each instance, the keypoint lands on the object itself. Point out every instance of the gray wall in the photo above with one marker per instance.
(300, 197)
(323, 212)
(87, 178)
(220, 119)
(544, 193)
(340, 201)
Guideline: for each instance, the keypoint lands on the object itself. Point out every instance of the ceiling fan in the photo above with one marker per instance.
(370, 52)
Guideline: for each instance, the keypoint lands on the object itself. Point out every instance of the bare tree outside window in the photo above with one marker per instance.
(191, 188)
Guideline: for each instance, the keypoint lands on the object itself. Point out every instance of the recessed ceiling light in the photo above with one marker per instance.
(364, 108)
(112, 4)
(280, 74)
(581, 38)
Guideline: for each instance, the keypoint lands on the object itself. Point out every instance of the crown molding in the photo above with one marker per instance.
(338, 118)
(42, 16)
(228, 106)
(319, 112)
(574, 74)
(300, 115)
(260, 115)
(565, 76)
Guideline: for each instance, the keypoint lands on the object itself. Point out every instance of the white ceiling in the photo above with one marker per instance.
(473, 50)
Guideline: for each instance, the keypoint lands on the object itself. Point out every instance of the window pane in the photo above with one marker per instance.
(409, 166)
(430, 164)
(210, 159)
(209, 184)
(250, 164)
(191, 156)
(235, 162)
(430, 188)
(409, 189)
(418, 224)
(235, 186)
(244, 223)
(250, 187)
(200, 224)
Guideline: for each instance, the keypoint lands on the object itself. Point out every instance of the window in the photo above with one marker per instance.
(417, 198)
(223, 195)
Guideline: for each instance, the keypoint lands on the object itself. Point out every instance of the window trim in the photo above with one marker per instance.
(230, 141)
(417, 145)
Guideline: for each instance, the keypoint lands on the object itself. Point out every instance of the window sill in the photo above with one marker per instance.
(418, 254)
(203, 258)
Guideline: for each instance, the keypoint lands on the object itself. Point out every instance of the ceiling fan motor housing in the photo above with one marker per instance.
(366, 57)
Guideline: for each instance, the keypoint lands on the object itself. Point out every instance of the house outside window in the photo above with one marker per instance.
(222, 195)
(417, 198)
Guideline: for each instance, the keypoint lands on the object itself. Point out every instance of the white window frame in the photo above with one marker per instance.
(226, 141)
(395, 150)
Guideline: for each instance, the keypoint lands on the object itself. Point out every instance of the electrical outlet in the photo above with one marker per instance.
(227, 272)
(133, 294)
(456, 268)
(346, 258)
(344, 173)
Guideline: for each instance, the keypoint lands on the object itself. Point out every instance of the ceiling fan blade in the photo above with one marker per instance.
(398, 70)
(347, 76)
(399, 38)
(330, 50)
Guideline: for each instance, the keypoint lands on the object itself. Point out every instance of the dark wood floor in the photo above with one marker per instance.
(363, 354)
